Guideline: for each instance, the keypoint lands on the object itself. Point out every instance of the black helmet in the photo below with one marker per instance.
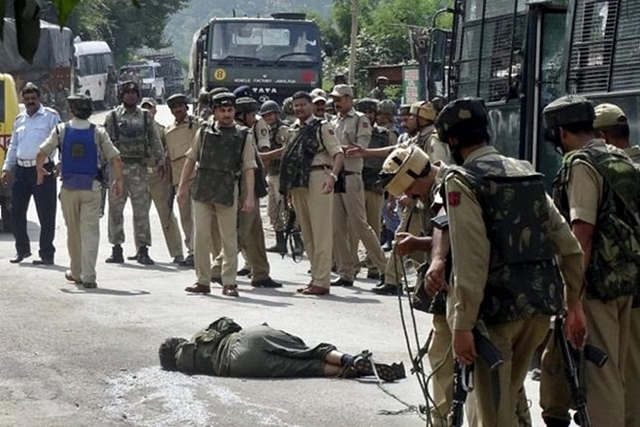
(467, 112)
(127, 86)
(269, 107)
(81, 105)
(367, 104)
(224, 99)
(246, 105)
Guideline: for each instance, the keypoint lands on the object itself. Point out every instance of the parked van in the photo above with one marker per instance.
(148, 74)
(8, 112)
(93, 60)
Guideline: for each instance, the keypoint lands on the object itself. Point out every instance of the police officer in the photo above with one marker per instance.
(278, 131)
(385, 119)
(505, 234)
(84, 147)
(161, 192)
(134, 134)
(378, 92)
(222, 151)
(613, 126)
(373, 193)
(177, 138)
(311, 162)
(596, 190)
(349, 214)
(203, 109)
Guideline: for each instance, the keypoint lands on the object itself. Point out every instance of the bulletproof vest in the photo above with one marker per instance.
(373, 165)
(130, 136)
(613, 269)
(274, 165)
(523, 278)
(79, 154)
(298, 156)
(219, 165)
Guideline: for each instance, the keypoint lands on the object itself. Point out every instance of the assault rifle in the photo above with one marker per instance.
(574, 365)
(462, 379)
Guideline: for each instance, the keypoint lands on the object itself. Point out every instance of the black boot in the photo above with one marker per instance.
(281, 244)
(143, 256)
(298, 246)
(116, 255)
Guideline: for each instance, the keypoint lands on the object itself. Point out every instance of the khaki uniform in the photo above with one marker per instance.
(349, 213)
(209, 215)
(314, 208)
(81, 208)
(515, 340)
(608, 324)
(178, 138)
(160, 189)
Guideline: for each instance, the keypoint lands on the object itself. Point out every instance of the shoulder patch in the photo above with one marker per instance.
(331, 131)
(263, 132)
(365, 124)
(453, 199)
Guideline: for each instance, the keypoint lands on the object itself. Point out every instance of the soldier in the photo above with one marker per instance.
(161, 192)
(596, 190)
(504, 231)
(613, 126)
(288, 115)
(203, 109)
(378, 92)
(384, 118)
(349, 214)
(222, 151)
(84, 148)
(311, 162)
(250, 229)
(278, 131)
(373, 193)
(133, 133)
(178, 137)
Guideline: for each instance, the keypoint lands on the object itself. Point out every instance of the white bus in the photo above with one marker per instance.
(93, 61)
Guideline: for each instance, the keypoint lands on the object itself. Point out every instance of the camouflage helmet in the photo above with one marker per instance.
(127, 86)
(402, 167)
(269, 107)
(81, 105)
(287, 106)
(423, 110)
(246, 104)
(461, 111)
(608, 116)
(568, 110)
(387, 106)
(366, 104)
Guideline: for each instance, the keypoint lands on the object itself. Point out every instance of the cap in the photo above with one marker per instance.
(224, 99)
(423, 110)
(382, 79)
(176, 99)
(319, 98)
(567, 110)
(269, 107)
(246, 104)
(402, 167)
(149, 101)
(218, 90)
(463, 110)
(404, 110)
(317, 92)
(366, 104)
(609, 115)
(341, 90)
(243, 91)
(386, 106)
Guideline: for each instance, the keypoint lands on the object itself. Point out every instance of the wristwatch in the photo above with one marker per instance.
(334, 176)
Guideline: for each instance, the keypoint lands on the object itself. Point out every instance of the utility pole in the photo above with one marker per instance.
(354, 36)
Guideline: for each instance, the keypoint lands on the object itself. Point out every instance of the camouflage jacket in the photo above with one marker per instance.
(298, 155)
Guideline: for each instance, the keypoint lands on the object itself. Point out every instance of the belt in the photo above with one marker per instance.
(347, 173)
(320, 167)
(30, 163)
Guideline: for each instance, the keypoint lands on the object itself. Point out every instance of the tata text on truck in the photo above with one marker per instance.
(275, 56)
(519, 55)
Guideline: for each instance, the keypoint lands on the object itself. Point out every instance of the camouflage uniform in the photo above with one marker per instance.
(135, 136)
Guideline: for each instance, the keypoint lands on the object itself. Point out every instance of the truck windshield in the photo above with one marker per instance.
(265, 41)
(145, 72)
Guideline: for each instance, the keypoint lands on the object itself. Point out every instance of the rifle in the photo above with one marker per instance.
(574, 363)
(462, 380)
(292, 235)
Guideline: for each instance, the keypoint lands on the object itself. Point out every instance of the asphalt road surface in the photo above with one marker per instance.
(76, 357)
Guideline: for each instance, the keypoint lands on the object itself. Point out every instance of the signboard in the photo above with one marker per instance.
(411, 89)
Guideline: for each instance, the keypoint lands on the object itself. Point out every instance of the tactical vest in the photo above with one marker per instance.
(79, 154)
(130, 137)
(298, 156)
(523, 278)
(274, 165)
(373, 165)
(613, 269)
(219, 165)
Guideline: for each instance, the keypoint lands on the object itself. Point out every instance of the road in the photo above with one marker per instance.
(76, 357)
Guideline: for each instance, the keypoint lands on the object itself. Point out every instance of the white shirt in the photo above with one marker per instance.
(29, 132)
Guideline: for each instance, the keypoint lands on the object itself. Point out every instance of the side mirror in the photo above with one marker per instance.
(328, 49)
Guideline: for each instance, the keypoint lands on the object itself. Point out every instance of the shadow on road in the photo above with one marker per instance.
(243, 299)
(158, 266)
(104, 291)
(29, 264)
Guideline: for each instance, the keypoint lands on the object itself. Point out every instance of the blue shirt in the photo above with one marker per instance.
(29, 132)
